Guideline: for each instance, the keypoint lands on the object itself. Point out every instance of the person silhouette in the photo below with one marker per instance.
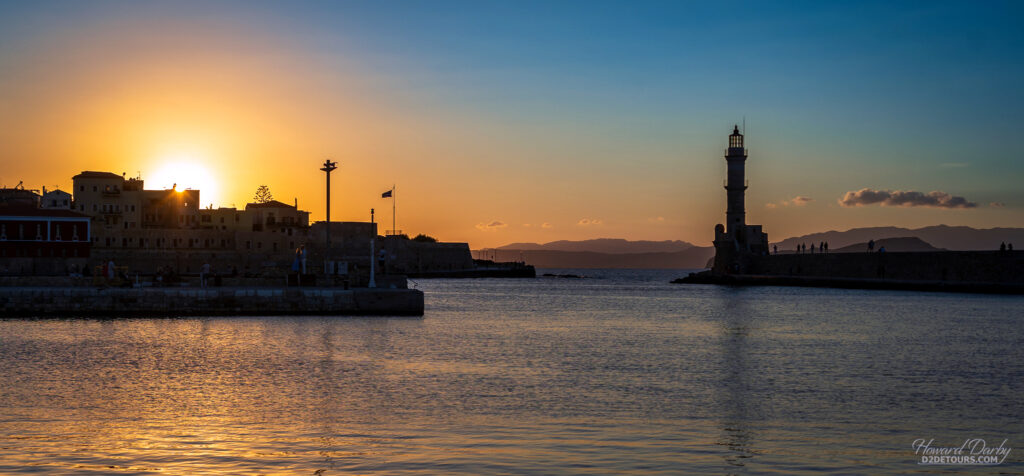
(871, 245)
(1002, 246)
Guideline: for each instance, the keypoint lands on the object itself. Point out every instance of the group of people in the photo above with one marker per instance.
(802, 248)
(1004, 246)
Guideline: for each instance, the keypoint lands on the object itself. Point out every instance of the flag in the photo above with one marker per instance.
(386, 194)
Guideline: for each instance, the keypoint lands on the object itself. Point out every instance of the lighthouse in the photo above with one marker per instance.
(736, 185)
(736, 243)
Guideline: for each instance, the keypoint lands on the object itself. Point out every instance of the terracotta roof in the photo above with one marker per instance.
(270, 204)
(94, 174)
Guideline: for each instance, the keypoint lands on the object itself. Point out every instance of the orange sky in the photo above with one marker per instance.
(475, 164)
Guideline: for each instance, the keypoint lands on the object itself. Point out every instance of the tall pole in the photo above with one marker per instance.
(328, 168)
(394, 209)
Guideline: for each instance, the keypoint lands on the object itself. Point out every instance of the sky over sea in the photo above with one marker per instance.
(531, 121)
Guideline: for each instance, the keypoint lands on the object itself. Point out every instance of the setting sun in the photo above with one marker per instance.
(185, 173)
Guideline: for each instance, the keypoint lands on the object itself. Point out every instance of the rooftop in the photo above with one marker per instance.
(89, 174)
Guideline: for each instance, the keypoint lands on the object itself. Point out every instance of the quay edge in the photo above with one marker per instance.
(66, 302)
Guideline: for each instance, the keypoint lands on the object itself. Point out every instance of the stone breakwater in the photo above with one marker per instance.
(954, 271)
(172, 302)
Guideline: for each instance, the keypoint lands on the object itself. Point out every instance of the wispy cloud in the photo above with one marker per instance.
(899, 198)
(656, 219)
(492, 226)
(997, 204)
(954, 165)
(797, 201)
(589, 221)
(546, 225)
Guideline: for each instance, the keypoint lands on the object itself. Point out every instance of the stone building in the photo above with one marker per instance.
(55, 199)
(148, 229)
(736, 241)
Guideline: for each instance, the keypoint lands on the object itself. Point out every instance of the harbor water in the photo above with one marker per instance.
(617, 372)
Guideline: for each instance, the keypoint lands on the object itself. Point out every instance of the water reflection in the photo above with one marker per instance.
(736, 406)
(503, 376)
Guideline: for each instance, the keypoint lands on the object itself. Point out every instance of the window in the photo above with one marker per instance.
(81, 188)
(93, 188)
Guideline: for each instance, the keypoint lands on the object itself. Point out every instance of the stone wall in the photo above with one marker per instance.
(157, 302)
(953, 266)
(415, 257)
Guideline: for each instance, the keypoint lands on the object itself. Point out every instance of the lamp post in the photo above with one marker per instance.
(328, 168)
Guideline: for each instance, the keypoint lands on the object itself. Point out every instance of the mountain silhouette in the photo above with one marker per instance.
(939, 236)
(604, 245)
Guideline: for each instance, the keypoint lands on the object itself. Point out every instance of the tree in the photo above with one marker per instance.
(262, 194)
(425, 238)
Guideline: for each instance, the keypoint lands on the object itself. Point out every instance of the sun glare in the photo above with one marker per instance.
(182, 174)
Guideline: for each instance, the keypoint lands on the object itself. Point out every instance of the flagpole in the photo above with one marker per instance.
(394, 209)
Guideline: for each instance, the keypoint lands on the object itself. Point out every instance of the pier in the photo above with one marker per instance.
(190, 301)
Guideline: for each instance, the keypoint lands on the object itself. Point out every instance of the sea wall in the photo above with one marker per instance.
(420, 258)
(950, 266)
(170, 302)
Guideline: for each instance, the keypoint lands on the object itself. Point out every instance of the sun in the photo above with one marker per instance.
(185, 173)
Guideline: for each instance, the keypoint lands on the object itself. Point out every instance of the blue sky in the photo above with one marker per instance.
(616, 98)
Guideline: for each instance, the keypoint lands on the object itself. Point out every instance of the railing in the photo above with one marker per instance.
(729, 154)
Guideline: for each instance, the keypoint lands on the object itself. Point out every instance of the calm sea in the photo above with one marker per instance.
(619, 372)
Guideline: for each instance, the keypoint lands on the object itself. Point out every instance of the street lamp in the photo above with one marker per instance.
(328, 168)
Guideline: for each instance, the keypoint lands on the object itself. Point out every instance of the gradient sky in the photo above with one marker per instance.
(529, 121)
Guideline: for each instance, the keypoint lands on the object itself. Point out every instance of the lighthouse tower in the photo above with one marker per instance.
(737, 243)
(736, 185)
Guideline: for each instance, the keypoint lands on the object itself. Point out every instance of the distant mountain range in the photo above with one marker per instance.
(604, 245)
(910, 243)
(940, 236)
(693, 257)
(675, 254)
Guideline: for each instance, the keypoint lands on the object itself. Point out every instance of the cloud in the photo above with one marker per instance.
(953, 165)
(656, 219)
(589, 221)
(797, 201)
(492, 226)
(800, 201)
(546, 225)
(997, 204)
(899, 198)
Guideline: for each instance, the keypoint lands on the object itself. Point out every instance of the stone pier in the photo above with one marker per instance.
(189, 301)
